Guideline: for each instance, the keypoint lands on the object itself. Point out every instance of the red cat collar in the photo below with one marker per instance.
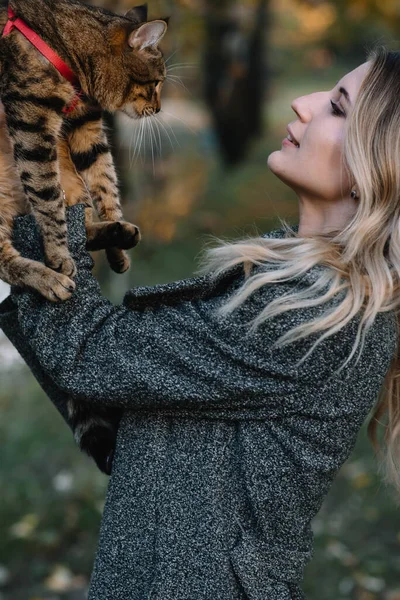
(14, 21)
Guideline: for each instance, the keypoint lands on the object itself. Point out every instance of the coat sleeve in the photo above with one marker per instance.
(116, 356)
(9, 324)
(101, 447)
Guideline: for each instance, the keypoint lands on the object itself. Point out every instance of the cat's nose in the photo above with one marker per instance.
(157, 109)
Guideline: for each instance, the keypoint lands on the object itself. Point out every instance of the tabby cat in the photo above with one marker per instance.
(54, 149)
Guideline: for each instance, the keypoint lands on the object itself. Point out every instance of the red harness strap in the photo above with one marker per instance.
(14, 21)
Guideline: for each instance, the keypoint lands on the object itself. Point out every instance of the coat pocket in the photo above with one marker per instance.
(265, 571)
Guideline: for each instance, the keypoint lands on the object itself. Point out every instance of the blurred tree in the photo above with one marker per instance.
(235, 74)
(348, 28)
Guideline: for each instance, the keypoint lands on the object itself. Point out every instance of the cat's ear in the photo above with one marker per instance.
(147, 35)
(137, 14)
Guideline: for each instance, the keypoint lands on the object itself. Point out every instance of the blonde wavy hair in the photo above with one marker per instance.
(364, 256)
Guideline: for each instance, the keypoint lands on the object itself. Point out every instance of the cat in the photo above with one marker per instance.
(119, 67)
(54, 150)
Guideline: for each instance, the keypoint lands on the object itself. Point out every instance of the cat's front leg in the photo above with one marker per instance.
(34, 132)
(91, 155)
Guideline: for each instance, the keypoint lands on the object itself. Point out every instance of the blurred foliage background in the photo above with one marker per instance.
(234, 69)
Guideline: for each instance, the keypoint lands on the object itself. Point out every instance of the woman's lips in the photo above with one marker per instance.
(287, 142)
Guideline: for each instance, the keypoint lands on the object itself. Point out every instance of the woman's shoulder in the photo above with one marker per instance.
(380, 339)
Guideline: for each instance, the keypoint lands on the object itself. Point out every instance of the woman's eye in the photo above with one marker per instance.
(336, 111)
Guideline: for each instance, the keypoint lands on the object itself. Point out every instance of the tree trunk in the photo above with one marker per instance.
(235, 77)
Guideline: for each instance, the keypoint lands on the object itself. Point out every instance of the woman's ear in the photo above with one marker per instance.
(137, 14)
(147, 35)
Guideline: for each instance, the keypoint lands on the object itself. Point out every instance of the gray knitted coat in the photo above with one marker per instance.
(225, 450)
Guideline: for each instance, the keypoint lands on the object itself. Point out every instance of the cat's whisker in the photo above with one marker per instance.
(130, 147)
(176, 79)
(153, 128)
(172, 131)
(144, 141)
(181, 120)
(176, 84)
(156, 139)
(146, 138)
(186, 64)
(134, 133)
(171, 82)
(152, 145)
(171, 55)
(138, 141)
(182, 66)
(156, 125)
(165, 129)
(137, 138)
(151, 134)
(173, 76)
(181, 76)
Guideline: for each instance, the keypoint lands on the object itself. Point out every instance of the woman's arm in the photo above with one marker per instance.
(98, 443)
(9, 324)
(112, 355)
(163, 356)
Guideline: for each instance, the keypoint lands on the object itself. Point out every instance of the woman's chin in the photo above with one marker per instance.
(274, 160)
(275, 166)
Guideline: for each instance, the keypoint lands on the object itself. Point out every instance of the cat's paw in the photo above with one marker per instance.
(56, 287)
(62, 264)
(118, 260)
(125, 235)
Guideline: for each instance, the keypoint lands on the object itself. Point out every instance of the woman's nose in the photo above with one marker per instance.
(307, 106)
(302, 106)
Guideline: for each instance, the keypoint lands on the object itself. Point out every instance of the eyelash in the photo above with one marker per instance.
(336, 111)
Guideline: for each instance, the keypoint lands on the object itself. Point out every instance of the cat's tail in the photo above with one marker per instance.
(95, 431)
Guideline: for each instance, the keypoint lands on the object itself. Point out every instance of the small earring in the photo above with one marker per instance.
(354, 194)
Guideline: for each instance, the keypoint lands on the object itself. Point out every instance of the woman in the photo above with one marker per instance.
(229, 441)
